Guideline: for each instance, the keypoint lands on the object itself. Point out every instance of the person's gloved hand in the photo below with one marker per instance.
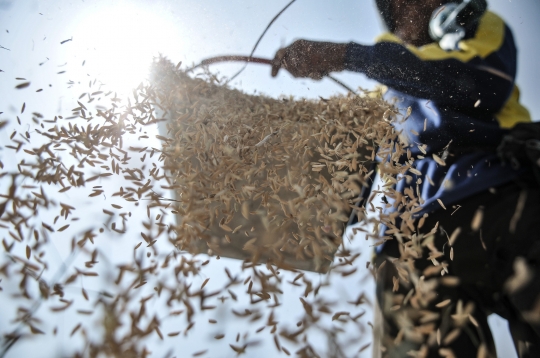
(310, 59)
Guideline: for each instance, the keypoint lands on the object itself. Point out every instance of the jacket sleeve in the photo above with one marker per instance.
(477, 79)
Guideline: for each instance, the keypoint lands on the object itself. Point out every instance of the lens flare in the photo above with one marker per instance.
(118, 43)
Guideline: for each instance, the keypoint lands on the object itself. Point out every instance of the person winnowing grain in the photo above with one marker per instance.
(452, 67)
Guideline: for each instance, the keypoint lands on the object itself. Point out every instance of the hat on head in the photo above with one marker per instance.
(468, 17)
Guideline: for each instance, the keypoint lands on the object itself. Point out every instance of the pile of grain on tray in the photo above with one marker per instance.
(263, 178)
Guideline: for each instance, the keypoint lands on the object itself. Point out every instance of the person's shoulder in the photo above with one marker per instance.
(491, 18)
(489, 36)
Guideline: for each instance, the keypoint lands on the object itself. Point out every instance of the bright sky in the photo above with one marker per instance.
(113, 41)
(118, 38)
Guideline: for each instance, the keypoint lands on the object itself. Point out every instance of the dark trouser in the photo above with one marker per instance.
(418, 317)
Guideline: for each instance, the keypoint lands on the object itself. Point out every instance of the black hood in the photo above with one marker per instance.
(385, 9)
(467, 18)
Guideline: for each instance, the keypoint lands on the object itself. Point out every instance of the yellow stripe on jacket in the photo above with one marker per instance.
(488, 39)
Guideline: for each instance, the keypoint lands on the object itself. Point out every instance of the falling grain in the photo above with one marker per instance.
(75, 329)
(454, 236)
(473, 320)
(204, 283)
(22, 85)
(443, 303)
(439, 160)
(476, 222)
(441, 204)
(283, 173)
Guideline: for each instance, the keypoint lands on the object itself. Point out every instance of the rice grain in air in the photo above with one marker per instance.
(441, 204)
(268, 181)
(476, 222)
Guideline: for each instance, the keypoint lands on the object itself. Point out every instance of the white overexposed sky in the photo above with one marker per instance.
(114, 41)
(118, 37)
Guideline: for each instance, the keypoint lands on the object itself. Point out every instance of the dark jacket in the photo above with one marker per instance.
(462, 103)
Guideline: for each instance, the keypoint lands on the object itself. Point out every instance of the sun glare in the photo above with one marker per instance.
(118, 43)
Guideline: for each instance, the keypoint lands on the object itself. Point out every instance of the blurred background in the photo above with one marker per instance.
(64, 47)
